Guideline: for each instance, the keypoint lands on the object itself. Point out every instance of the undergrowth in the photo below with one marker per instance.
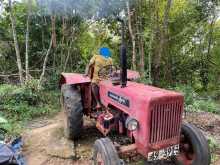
(213, 146)
(195, 102)
(19, 104)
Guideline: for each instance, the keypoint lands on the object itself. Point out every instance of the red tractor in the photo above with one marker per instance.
(150, 117)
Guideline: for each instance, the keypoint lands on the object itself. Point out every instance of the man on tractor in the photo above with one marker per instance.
(95, 65)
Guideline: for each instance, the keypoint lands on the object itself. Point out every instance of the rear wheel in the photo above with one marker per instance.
(194, 149)
(72, 105)
(104, 153)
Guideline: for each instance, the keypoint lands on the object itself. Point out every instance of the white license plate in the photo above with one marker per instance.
(164, 153)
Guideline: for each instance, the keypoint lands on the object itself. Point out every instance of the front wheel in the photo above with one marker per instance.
(194, 149)
(104, 153)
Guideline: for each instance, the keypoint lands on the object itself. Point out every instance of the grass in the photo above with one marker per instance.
(214, 146)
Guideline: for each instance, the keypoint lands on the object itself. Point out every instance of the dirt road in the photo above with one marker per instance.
(45, 143)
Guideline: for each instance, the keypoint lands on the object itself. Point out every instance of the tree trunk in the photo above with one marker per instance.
(206, 61)
(140, 30)
(42, 38)
(150, 45)
(45, 63)
(150, 59)
(42, 32)
(142, 59)
(134, 67)
(53, 22)
(210, 40)
(66, 61)
(64, 27)
(18, 56)
(27, 42)
(162, 42)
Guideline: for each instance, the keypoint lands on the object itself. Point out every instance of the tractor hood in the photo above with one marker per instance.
(136, 93)
(152, 107)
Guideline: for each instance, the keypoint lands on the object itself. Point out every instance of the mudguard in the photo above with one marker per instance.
(133, 75)
(75, 78)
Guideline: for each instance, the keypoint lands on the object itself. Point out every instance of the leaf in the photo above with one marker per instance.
(3, 120)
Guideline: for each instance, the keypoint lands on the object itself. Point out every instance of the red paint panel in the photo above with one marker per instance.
(73, 78)
(133, 75)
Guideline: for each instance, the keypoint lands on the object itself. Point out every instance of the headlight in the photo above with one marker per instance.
(131, 124)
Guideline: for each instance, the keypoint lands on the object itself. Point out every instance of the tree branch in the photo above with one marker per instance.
(45, 63)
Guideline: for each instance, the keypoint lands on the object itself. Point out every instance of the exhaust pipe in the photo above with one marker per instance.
(123, 56)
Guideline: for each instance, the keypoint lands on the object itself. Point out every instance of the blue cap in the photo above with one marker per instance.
(105, 52)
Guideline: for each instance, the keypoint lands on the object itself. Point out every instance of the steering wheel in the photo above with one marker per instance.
(108, 72)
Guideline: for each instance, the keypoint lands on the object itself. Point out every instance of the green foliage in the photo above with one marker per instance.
(10, 127)
(2, 120)
(213, 144)
(207, 105)
(52, 82)
(184, 60)
(194, 102)
(32, 85)
(144, 79)
(14, 95)
(19, 104)
(189, 94)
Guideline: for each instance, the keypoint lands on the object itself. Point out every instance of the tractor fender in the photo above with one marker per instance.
(73, 78)
(76, 78)
(133, 75)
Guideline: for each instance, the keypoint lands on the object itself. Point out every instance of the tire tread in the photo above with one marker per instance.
(73, 110)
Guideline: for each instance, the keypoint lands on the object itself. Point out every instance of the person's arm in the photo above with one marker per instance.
(89, 66)
(111, 61)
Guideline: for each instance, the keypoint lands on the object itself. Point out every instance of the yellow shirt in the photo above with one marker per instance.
(99, 62)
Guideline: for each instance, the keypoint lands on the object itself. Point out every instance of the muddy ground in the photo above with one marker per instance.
(45, 143)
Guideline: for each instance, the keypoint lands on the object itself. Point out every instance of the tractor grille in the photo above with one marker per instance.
(165, 121)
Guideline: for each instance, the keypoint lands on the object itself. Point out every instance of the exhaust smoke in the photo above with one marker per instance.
(88, 9)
